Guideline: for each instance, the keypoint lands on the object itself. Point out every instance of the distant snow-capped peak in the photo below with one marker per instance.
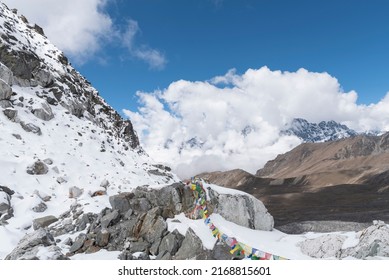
(318, 132)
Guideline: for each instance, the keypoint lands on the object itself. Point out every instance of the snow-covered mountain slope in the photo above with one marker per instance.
(60, 142)
(318, 132)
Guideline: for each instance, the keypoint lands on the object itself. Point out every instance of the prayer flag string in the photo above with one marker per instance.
(200, 210)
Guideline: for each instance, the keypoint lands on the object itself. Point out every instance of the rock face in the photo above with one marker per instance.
(244, 210)
(318, 132)
(37, 245)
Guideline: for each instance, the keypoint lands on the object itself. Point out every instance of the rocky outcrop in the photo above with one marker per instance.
(37, 245)
(137, 225)
(172, 199)
(373, 242)
(244, 210)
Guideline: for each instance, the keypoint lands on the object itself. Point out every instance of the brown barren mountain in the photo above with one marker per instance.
(347, 161)
(345, 180)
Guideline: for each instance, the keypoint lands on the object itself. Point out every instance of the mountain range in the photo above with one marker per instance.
(307, 132)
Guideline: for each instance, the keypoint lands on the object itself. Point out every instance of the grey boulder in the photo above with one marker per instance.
(11, 114)
(242, 209)
(43, 222)
(44, 113)
(38, 168)
(191, 248)
(326, 246)
(29, 127)
(121, 202)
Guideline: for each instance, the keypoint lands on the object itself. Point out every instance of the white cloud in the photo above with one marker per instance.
(153, 57)
(76, 27)
(81, 28)
(214, 113)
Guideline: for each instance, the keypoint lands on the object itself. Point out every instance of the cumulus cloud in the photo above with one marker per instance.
(82, 28)
(77, 27)
(234, 121)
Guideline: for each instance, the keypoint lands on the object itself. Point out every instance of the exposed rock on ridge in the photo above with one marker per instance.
(62, 84)
(137, 225)
(318, 132)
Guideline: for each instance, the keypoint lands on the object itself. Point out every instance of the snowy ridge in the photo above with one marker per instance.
(321, 132)
(26, 36)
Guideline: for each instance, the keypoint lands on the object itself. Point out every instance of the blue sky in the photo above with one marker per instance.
(202, 39)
